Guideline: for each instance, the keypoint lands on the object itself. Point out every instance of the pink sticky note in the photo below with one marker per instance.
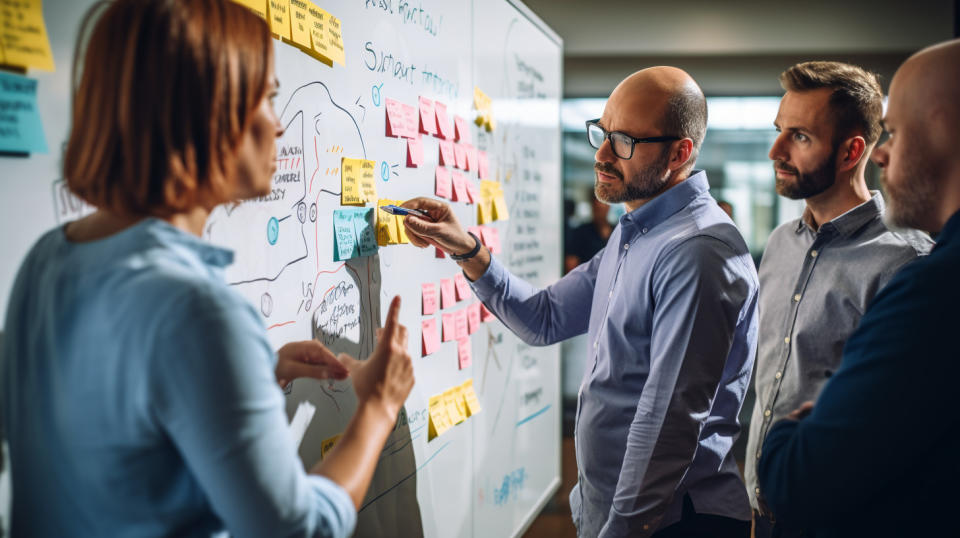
(444, 129)
(430, 336)
(473, 318)
(460, 154)
(447, 295)
(483, 165)
(464, 353)
(477, 231)
(446, 153)
(414, 152)
(471, 158)
(463, 289)
(439, 253)
(459, 187)
(473, 192)
(429, 298)
(460, 323)
(491, 238)
(395, 123)
(428, 119)
(410, 121)
(449, 327)
(444, 187)
(486, 315)
(462, 130)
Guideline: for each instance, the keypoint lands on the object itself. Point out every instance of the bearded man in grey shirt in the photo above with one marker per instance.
(819, 272)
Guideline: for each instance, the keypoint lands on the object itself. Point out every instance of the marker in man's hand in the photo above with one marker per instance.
(397, 210)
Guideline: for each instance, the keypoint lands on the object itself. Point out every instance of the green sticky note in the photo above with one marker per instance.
(20, 128)
(344, 236)
(363, 227)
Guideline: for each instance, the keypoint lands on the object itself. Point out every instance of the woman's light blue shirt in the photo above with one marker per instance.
(139, 398)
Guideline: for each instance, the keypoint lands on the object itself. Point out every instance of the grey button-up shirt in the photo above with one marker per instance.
(814, 287)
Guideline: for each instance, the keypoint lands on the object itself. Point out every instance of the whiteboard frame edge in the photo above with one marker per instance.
(543, 26)
(538, 507)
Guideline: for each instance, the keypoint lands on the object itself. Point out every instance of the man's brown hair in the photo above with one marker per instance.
(857, 99)
(161, 96)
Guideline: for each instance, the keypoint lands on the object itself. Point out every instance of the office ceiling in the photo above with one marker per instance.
(736, 48)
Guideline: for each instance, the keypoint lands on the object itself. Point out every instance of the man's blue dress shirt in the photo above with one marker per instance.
(878, 454)
(139, 398)
(670, 309)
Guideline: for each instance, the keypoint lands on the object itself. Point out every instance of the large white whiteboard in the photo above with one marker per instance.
(490, 475)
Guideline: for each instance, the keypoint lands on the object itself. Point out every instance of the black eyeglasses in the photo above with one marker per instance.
(621, 143)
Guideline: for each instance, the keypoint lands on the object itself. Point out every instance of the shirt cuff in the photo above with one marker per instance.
(491, 281)
(335, 508)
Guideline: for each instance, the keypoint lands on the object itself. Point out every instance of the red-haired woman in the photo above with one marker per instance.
(140, 392)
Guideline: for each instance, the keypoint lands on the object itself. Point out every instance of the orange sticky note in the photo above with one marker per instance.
(460, 156)
(483, 165)
(280, 18)
(473, 318)
(463, 289)
(430, 336)
(461, 130)
(444, 129)
(414, 152)
(464, 354)
(428, 118)
(446, 153)
(460, 193)
(429, 291)
(449, 327)
(460, 323)
(444, 188)
(447, 294)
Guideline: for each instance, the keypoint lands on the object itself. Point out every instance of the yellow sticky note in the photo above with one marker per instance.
(257, 6)
(500, 207)
(470, 397)
(280, 18)
(350, 182)
(335, 40)
(300, 23)
(386, 225)
(368, 185)
(401, 230)
(484, 210)
(23, 38)
(450, 402)
(460, 402)
(327, 445)
(439, 419)
(318, 33)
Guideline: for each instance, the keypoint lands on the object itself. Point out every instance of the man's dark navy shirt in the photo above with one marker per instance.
(880, 453)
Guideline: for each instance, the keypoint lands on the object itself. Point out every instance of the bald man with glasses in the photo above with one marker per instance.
(670, 309)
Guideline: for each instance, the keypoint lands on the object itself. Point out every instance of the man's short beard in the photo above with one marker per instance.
(646, 184)
(811, 183)
(912, 204)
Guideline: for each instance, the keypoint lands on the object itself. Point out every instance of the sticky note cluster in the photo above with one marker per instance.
(484, 107)
(301, 22)
(390, 230)
(451, 407)
(492, 205)
(23, 39)
(357, 183)
(353, 233)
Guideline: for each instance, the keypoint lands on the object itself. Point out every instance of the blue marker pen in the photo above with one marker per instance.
(397, 210)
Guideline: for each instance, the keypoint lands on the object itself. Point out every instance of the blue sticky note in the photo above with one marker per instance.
(20, 128)
(366, 237)
(344, 237)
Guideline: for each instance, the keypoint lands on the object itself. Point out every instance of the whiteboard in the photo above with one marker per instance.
(491, 474)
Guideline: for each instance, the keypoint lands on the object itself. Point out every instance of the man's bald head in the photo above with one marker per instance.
(672, 96)
(920, 161)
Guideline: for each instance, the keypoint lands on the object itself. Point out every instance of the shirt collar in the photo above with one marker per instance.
(211, 255)
(669, 202)
(849, 222)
